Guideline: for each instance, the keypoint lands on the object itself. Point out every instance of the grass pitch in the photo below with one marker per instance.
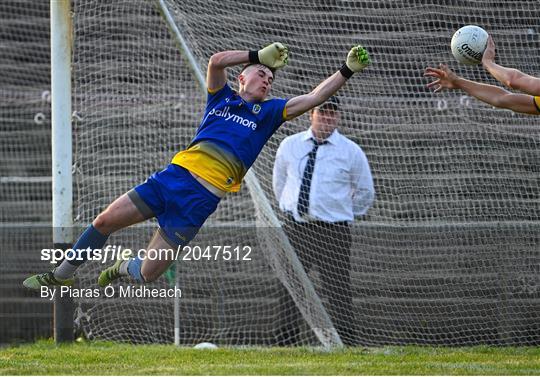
(107, 358)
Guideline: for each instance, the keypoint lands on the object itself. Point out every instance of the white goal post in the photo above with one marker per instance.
(62, 155)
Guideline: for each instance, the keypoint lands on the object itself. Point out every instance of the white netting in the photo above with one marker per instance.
(24, 113)
(449, 253)
(25, 164)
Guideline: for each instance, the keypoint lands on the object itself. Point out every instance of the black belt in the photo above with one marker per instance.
(290, 218)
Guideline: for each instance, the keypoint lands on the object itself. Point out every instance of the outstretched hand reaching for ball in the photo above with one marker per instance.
(445, 78)
(489, 53)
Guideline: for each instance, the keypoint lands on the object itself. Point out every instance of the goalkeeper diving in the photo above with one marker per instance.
(234, 128)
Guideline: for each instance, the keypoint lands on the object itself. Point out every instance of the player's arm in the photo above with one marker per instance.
(274, 55)
(490, 94)
(216, 75)
(510, 77)
(357, 60)
(298, 105)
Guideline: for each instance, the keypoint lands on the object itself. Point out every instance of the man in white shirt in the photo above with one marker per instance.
(322, 181)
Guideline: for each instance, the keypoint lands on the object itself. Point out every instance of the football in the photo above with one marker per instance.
(205, 346)
(468, 44)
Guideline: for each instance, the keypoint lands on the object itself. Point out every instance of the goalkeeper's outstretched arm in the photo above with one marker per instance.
(273, 56)
(356, 61)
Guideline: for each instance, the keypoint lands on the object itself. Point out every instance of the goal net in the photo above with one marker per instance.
(448, 254)
(25, 164)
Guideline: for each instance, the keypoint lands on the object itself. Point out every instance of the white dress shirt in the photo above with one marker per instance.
(341, 186)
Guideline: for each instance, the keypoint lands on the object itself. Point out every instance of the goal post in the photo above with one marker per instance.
(62, 182)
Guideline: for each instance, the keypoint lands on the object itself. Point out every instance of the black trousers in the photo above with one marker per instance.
(327, 247)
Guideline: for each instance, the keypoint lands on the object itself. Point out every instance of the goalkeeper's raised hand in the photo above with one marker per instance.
(357, 60)
(275, 55)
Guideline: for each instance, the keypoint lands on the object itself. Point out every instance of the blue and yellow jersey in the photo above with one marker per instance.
(537, 103)
(230, 137)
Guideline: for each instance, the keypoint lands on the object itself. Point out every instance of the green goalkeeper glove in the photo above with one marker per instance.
(357, 60)
(275, 55)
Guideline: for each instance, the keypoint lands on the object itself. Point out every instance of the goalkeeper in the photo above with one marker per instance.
(522, 103)
(233, 131)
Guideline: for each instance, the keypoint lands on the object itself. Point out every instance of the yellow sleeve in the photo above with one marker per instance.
(214, 91)
(537, 103)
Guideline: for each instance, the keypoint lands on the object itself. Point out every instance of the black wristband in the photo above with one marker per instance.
(346, 71)
(254, 57)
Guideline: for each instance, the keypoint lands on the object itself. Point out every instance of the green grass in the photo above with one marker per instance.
(106, 358)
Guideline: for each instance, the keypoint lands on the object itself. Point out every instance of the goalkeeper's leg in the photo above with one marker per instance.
(185, 206)
(120, 214)
(143, 270)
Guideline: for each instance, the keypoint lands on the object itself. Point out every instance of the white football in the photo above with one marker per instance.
(468, 44)
(205, 346)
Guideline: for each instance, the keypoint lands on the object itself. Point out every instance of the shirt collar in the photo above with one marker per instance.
(332, 139)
